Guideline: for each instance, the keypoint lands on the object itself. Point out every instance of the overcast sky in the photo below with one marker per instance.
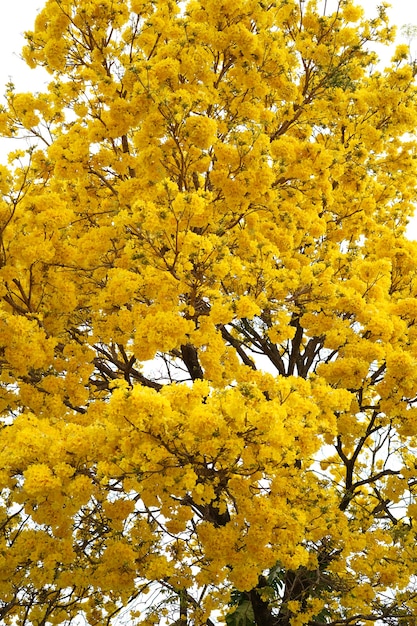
(17, 16)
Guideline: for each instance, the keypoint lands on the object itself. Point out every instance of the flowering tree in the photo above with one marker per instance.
(208, 338)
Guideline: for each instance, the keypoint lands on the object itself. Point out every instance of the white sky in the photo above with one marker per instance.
(16, 16)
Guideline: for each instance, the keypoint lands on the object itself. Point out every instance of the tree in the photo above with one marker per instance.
(208, 319)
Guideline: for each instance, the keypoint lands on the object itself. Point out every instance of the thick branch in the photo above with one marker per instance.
(190, 357)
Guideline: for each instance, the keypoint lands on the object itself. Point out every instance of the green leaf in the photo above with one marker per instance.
(243, 614)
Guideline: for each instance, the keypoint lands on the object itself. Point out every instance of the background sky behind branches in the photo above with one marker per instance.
(17, 16)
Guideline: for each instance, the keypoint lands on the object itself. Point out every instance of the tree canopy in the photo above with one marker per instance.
(208, 338)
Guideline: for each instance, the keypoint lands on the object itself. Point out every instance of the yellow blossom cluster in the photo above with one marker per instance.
(208, 381)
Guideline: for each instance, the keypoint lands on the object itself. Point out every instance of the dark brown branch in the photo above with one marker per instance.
(190, 357)
(261, 609)
(237, 345)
